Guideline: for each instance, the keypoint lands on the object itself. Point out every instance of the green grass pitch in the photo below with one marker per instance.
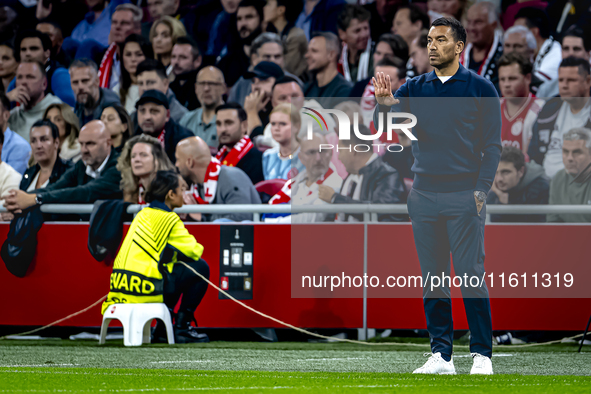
(235, 367)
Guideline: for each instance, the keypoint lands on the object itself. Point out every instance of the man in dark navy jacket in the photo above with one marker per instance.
(457, 146)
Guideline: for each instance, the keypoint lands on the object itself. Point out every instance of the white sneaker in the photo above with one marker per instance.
(437, 365)
(482, 365)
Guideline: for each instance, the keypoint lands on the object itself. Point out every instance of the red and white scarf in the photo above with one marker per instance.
(284, 195)
(362, 70)
(161, 137)
(484, 70)
(231, 157)
(210, 184)
(106, 67)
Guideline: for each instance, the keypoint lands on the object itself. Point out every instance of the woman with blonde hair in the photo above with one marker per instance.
(163, 35)
(282, 161)
(69, 127)
(141, 158)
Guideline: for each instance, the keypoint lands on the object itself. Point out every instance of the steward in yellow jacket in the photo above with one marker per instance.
(146, 268)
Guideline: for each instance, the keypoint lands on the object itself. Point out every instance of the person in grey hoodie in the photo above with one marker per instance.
(518, 182)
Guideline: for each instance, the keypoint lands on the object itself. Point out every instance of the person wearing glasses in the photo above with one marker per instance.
(209, 87)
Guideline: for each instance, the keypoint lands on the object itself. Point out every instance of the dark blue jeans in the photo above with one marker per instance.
(444, 223)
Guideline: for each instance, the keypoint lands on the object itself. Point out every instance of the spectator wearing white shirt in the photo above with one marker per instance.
(318, 171)
(9, 180)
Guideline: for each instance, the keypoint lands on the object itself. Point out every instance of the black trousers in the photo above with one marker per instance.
(182, 281)
(444, 223)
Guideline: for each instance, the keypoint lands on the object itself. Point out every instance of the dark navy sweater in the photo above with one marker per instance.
(458, 130)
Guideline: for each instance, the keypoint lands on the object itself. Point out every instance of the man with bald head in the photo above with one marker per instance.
(212, 182)
(94, 177)
(319, 171)
(209, 88)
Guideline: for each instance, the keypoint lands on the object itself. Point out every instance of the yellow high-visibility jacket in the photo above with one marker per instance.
(157, 238)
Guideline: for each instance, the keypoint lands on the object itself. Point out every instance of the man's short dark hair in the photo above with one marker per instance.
(84, 62)
(257, 4)
(287, 79)
(355, 140)
(55, 132)
(293, 9)
(152, 65)
(350, 12)
(535, 17)
(232, 105)
(397, 44)
(576, 31)
(4, 101)
(457, 29)
(44, 38)
(513, 155)
(186, 40)
(507, 59)
(582, 64)
(417, 14)
(394, 62)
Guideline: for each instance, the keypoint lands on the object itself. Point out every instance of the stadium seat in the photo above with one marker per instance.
(136, 320)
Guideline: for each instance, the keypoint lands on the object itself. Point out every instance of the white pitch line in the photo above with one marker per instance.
(181, 361)
(334, 359)
(494, 355)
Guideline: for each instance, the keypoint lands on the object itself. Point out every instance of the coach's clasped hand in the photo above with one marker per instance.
(383, 90)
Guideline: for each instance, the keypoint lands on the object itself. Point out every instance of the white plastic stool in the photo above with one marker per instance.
(137, 320)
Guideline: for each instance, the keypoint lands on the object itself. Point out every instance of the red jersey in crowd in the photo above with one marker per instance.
(517, 129)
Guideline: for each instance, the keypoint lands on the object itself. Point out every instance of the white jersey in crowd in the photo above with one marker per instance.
(565, 121)
(546, 66)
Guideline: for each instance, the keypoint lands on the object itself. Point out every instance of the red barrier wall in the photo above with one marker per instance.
(65, 278)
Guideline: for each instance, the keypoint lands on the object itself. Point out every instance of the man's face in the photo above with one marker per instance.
(480, 32)
(85, 84)
(316, 162)
(516, 42)
(230, 6)
(209, 87)
(247, 21)
(507, 176)
(32, 51)
(152, 118)
(382, 50)
(122, 25)
(229, 128)
(572, 84)
(55, 34)
(288, 93)
(28, 75)
(420, 58)
(270, 52)
(573, 46)
(393, 73)
(264, 86)
(404, 27)
(159, 8)
(512, 82)
(575, 156)
(149, 80)
(356, 35)
(182, 59)
(43, 145)
(8, 63)
(317, 55)
(94, 146)
(441, 46)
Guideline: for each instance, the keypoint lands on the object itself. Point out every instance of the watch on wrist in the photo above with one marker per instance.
(38, 199)
(480, 196)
